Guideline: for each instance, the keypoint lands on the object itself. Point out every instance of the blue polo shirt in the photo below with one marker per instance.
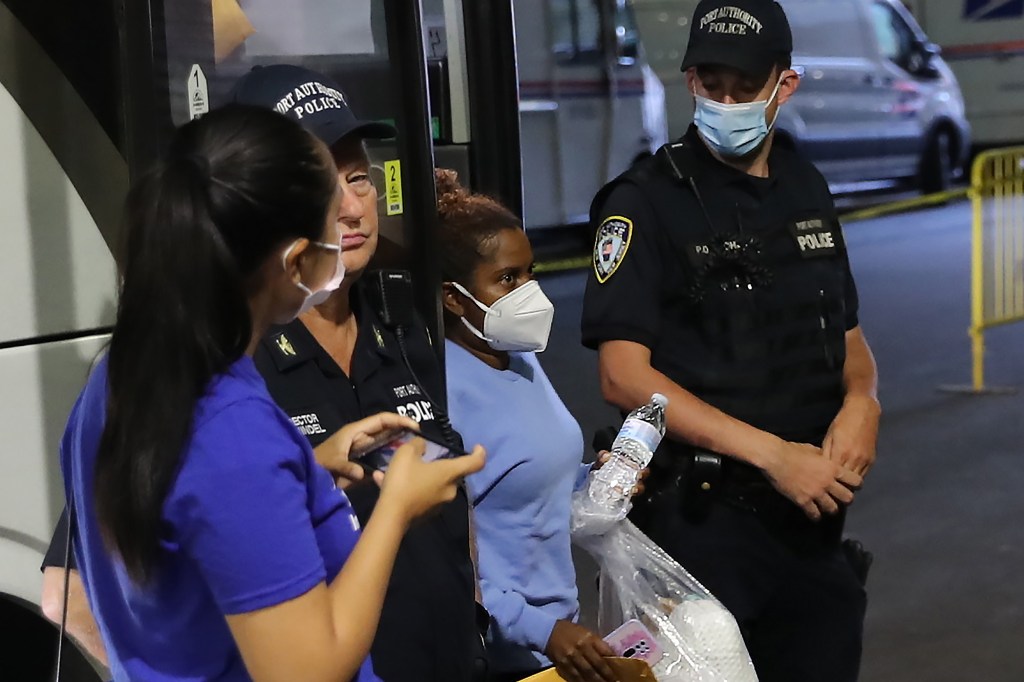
(250, 521)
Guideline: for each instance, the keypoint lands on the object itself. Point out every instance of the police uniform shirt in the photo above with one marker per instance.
(320, 398)
(720, 298)
(428, 623)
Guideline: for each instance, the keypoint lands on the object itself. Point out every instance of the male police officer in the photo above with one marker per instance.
(721, 280)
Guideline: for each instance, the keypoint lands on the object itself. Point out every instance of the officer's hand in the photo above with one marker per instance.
(578, 653)
(853, 434)
(411, 487)
(815, 484)
(355, 440)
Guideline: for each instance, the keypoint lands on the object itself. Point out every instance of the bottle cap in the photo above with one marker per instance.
(659, 400)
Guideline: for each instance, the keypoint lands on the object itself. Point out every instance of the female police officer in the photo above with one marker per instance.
(338, 362)
(721, 280)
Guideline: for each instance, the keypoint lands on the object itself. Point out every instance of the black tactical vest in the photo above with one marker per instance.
(768, 323)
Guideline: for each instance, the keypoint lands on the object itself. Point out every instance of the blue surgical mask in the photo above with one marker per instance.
(733, 129)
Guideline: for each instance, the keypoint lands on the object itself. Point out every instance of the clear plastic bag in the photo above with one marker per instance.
(701, 639)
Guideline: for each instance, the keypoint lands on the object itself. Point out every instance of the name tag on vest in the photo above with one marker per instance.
(816, 238)
(700, 252)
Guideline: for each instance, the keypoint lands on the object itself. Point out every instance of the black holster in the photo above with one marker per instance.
(700, 484)
(860, 559)
(683, 480)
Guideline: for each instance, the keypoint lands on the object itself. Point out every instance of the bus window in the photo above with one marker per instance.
(305, 27)
(348, 41)
(343, 39)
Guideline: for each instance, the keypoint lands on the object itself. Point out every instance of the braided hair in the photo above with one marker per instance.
(468, 225)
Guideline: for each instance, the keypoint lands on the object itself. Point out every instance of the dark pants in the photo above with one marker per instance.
(795, 596)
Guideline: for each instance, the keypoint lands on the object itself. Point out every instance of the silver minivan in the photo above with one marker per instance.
(876, 103)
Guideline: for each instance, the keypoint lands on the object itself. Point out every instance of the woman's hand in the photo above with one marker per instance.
(639, 488)
(578, 654)
(354, 440)
(412, 487)
(602, 458)
(605, 455)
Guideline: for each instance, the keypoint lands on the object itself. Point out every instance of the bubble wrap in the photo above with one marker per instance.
(640, 580)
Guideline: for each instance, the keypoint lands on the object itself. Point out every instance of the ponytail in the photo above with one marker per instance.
(234, 187)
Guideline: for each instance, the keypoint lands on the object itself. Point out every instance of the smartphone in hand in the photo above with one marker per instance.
(633, 640)
(380, 457)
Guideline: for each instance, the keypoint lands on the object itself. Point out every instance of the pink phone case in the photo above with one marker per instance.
(633, 640)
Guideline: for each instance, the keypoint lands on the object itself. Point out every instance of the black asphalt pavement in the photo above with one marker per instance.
(943, 509)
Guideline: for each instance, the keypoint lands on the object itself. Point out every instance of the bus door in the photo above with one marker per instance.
(374, 50)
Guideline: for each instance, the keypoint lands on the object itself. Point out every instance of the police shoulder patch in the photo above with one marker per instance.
(610, 246)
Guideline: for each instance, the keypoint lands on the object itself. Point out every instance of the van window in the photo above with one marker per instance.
(576, 31)
(820, 21)
(895, 37)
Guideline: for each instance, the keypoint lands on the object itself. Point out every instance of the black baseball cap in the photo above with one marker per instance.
(312, 98)
(749, 35)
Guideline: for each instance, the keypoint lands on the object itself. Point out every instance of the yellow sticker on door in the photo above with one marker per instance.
(393, 186)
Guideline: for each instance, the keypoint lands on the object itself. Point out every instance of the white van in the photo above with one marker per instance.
(983, 41)
(876, 103)
(590, 105)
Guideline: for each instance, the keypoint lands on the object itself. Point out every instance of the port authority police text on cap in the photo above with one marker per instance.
(749, 35)
(317, 102)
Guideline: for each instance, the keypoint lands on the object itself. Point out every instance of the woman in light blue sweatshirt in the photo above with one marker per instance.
(496, 318)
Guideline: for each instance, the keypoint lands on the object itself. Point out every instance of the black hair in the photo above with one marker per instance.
(233, 187)
(468, 222)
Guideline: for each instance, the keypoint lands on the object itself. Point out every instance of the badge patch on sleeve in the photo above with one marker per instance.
(610, 246)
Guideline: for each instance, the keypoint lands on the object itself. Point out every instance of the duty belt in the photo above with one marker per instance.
(692, 481)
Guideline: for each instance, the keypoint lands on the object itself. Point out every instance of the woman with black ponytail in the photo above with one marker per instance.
(211, 544)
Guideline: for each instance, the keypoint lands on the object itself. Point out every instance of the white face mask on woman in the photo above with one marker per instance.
(518, 321)
(315, 298)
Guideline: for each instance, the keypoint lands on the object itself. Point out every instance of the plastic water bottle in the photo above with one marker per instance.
(611, 487)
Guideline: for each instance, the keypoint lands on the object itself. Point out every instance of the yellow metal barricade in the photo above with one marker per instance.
(997, 264)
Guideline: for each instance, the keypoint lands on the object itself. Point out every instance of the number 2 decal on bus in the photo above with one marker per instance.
(393, 186)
